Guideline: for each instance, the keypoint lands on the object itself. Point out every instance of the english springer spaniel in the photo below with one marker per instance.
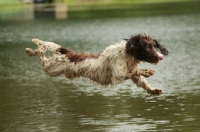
(113, 65)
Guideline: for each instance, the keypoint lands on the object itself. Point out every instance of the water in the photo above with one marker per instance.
(32, 101)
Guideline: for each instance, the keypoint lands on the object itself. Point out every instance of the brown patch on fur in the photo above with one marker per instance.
(76, 56)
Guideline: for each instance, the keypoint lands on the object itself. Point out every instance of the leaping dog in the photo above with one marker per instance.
(113, 65)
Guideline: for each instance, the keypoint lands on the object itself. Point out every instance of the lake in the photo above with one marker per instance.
(32, 101)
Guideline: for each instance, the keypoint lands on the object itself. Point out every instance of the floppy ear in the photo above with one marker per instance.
(132, 45)
(162, 49)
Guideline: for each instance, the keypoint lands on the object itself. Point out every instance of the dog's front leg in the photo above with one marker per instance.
(141, 82)
(143, 72)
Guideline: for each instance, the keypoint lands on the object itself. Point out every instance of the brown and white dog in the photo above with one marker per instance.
(114, 65)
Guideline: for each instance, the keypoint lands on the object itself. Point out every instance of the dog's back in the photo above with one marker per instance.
(76, 56)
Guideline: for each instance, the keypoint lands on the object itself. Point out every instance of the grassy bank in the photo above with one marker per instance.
(136, 8)
(112, 8)
(7, 6)
(114, 2)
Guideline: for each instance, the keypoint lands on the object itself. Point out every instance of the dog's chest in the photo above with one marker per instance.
(131, 65)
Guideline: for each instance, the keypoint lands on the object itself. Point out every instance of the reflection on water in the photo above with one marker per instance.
(35, 11)
(31, 101)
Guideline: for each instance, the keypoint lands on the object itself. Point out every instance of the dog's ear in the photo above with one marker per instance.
(162, 49)
(132, 44)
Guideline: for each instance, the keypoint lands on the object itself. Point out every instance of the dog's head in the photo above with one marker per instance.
(145, 48)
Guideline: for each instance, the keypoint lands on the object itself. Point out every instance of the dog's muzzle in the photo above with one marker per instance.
(159, 57)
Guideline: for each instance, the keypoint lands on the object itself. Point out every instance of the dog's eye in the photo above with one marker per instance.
(148, 47)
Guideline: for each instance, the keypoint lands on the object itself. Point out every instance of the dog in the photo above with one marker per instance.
(113, 65)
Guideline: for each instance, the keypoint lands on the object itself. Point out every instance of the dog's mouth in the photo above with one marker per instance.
(155, 63)
(159, 58)
(155, 60)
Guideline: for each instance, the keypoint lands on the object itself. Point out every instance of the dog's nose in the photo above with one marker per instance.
(160, 56)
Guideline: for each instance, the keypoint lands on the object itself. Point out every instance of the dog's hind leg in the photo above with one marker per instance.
(31, 52)
(43, 46)
(53, 65)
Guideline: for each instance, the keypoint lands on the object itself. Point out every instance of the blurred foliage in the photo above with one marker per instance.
(10, 2)
(102, 2)
(10, 5)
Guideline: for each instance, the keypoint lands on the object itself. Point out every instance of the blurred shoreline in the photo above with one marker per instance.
(95, 10)
(131, 10)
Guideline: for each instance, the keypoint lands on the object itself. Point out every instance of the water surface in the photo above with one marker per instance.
(32, 101)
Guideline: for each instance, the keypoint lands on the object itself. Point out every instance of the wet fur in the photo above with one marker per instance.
(114, 65)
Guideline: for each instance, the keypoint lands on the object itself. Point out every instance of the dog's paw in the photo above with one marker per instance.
(30, 52)
(148, 72)
(155, 92)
